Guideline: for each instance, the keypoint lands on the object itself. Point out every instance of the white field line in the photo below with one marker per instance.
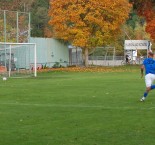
(78, 106)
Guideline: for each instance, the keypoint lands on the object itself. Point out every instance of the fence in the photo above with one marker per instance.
(15, 26)
(113, 60)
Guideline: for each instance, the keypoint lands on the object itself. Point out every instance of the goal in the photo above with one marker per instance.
(18, 59)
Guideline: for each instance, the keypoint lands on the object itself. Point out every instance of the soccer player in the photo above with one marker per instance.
(149, 66)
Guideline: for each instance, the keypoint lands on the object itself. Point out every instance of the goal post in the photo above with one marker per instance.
(18, 59)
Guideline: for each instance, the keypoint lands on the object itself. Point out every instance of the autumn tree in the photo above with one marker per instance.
(146, 9)
(87, 23)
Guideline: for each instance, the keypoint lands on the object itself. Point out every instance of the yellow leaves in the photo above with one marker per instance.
(80, 39)
(86, 22)
(89, 69)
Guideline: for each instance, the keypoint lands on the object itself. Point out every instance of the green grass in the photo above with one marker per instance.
(64, 108)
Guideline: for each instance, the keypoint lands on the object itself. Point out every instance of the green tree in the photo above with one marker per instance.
(39, 14)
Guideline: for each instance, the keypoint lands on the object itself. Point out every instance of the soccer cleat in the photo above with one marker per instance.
(142, 99)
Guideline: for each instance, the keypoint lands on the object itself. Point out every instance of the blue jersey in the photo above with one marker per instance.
(149, 64)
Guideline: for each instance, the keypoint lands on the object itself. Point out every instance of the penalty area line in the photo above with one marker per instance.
(78, 106)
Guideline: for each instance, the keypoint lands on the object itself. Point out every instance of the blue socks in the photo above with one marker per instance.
(145, 94)
(152, 87)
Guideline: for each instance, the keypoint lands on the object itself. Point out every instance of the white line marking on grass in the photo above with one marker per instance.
(78, 106)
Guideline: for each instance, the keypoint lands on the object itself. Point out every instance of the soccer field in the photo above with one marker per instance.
(77, 108)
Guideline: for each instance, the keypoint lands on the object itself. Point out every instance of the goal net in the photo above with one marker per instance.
(18, 59)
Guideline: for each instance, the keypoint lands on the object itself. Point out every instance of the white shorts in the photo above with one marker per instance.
(149, 79)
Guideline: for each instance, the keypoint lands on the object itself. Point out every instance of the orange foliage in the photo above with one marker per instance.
(150, 28)
(87, 23)
(147, 10)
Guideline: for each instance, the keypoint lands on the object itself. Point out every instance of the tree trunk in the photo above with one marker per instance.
(76, 57)
(86, 57)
